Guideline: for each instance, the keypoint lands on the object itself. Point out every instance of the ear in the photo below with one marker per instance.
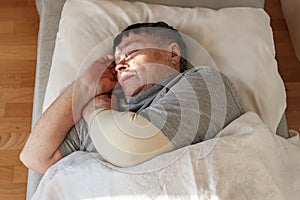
(174, 49)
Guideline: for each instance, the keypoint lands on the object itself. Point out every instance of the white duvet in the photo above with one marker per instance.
(245, 161)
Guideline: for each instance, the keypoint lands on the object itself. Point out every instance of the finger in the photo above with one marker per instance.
(105, 85)
(102, 101)
(107, 58)
(102, 96)
(110, 56)
(110, 61)
(113, 71)
(110, 74)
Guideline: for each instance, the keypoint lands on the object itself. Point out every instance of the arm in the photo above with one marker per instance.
(123, 138)
(183, 114)
(41, 149)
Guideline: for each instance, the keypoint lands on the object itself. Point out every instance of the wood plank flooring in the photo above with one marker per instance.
(288, 64)
(18, 42)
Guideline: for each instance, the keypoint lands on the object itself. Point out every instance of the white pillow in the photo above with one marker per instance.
(239, 40)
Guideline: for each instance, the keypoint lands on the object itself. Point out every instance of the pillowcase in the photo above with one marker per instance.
(239, 41)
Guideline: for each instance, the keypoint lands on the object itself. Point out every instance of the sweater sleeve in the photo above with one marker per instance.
(126, 138)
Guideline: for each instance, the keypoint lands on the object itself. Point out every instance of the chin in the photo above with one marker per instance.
(130, 92)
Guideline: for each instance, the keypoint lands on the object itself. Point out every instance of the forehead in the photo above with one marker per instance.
(135, 41)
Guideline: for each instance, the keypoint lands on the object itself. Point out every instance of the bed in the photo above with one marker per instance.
(247, 129)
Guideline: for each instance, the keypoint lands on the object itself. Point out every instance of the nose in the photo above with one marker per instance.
(121, 63)
(121, 67)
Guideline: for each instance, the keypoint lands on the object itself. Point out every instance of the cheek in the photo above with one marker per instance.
(149, 57)
(150, 74)
(140, 60)
(139, 64)
(141, 71)
(118, 76)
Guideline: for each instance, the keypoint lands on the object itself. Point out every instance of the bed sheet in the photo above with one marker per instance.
(245, 161)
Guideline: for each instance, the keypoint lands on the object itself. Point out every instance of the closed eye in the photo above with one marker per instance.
(127, 56)
(131, 53)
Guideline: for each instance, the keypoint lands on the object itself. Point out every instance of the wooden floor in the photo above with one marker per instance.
(18, 43)
(289, 65)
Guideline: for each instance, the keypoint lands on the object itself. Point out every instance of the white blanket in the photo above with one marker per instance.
(245, 161)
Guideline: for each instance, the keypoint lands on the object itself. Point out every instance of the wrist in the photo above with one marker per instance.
(80, 97)
(83, 90)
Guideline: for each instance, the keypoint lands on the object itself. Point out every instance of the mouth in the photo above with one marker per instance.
(126, 75)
